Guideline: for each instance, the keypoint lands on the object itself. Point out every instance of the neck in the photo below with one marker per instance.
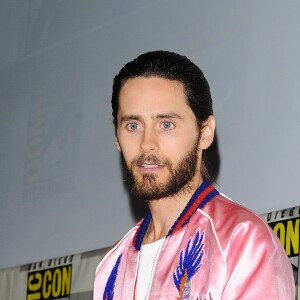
(202, 195)
(165, 212)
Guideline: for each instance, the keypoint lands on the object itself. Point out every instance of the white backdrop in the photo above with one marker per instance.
(60, 180)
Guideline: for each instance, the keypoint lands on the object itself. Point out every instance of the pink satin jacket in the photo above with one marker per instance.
(216, 249)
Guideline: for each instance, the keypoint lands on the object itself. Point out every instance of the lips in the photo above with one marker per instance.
(148, 162)
(150, 166)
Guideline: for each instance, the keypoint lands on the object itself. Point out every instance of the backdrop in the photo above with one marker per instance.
(60, 180)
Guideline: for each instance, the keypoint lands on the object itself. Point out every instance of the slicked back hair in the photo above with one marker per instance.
(172, 66)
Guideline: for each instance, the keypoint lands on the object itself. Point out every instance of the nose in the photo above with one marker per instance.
(149, 142)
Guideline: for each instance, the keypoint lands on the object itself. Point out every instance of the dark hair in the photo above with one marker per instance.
(172, 66)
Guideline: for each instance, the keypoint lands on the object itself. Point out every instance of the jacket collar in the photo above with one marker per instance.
(204, 193)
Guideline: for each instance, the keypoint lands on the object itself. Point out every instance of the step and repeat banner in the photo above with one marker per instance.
(67, 277)
(285, 224)
(72, 277)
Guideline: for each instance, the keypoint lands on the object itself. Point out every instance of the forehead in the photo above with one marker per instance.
(152, 95)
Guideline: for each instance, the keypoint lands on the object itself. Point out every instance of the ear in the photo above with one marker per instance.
(207, 133)
(117, 144)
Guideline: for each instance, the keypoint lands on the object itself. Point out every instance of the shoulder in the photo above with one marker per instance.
(234, 222)
(256, 263)
(224, 210)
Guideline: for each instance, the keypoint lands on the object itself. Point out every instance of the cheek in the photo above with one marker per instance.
(127, 148)
(176, 151)
(180, 147)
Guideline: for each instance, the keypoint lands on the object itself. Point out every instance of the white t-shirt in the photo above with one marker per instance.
(148, 254)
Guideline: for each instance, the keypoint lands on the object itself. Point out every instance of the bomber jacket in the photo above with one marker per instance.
(216, 249)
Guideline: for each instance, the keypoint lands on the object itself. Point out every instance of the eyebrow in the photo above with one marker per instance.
(130, 117)
(168, 116)
(157, 116)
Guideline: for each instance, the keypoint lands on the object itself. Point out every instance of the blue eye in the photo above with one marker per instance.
(132, 126)
(167, 125)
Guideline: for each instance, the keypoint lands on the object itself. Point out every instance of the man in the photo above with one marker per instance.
(194, 243)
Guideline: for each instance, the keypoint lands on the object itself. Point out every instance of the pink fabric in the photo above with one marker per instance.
(239, 258)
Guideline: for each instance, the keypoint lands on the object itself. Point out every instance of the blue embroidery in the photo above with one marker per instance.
(190, 262)
(110, 285)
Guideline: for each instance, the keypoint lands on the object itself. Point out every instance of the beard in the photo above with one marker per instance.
(148, 188)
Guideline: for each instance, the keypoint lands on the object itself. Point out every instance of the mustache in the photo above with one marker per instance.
(149, 159)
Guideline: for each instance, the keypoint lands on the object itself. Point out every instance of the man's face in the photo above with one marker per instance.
(158, 137)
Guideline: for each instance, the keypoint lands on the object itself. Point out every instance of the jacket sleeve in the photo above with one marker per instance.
(257, 265)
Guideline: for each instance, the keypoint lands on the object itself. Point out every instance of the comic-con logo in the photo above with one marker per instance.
(51, 283)
(288, 231)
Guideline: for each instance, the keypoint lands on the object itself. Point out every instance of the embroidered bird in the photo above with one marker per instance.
(190, 262)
